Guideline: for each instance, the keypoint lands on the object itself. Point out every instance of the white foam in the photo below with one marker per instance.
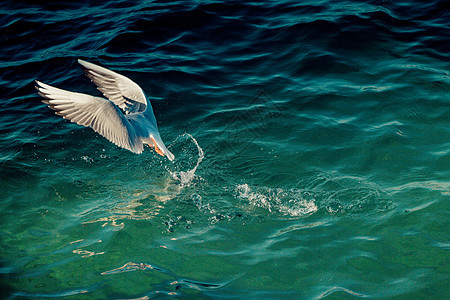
(288, 202)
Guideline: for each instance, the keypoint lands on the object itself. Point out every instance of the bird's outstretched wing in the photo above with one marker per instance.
(121, 90)
(98, 113)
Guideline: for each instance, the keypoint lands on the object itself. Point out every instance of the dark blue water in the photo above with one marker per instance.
(311, 141)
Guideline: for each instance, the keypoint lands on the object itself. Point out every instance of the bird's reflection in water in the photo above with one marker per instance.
(146, 204)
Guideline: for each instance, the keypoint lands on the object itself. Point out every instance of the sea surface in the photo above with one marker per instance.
(311, 143)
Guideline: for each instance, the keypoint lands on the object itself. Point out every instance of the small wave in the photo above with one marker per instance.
(131, 266)
(86, 253)
(336, 289)
(288, 202)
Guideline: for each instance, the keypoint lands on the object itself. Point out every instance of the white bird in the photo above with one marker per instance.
(126, 119)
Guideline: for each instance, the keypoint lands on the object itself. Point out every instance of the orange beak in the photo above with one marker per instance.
(157, 149)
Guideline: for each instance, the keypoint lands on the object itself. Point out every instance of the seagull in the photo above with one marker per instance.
(125, 118)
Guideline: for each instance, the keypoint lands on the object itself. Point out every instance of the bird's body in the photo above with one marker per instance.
(126, 118)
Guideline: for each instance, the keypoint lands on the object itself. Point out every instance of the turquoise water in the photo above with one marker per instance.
(311, 145)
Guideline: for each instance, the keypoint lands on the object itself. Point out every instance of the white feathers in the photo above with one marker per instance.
(119, 89)
(95, 112)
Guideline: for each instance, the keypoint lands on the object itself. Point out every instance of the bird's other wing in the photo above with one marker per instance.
(98, 113)
(121, 90)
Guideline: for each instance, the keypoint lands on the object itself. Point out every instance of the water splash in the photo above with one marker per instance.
(186, 177)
